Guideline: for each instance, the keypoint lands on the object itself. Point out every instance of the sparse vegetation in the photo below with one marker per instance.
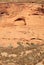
(35, 54)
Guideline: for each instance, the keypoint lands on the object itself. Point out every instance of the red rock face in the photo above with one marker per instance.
(21, 22)
(21, 34)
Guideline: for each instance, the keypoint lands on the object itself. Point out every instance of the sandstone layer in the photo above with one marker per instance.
(21, 22)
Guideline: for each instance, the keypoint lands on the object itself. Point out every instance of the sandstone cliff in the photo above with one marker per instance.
(21, 22)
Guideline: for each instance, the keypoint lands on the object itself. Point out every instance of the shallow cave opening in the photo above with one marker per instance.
(3, 12)
(21, 19)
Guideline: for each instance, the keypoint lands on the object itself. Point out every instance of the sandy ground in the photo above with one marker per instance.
(21, 22)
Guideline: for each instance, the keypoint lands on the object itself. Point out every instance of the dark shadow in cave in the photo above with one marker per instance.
(3, 12)
(21, 19)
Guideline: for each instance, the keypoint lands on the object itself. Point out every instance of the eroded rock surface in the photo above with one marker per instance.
(21, 21)
(21, 34)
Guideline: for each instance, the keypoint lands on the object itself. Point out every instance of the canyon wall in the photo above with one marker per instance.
(21, 22)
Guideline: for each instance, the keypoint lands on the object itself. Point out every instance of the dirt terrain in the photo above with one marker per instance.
(23, 23)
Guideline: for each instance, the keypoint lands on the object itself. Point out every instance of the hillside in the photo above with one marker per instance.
(21, 33)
